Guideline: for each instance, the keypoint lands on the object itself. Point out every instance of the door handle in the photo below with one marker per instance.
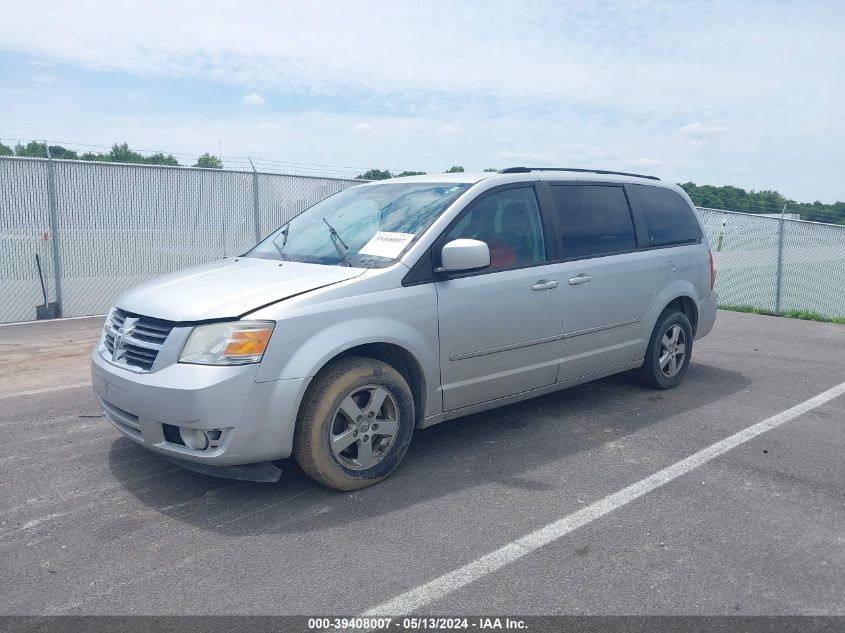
(583, 278)
(544, 284)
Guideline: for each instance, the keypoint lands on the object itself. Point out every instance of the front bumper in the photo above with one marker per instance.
(257, 418)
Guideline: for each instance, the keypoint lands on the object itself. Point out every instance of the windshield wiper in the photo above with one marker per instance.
(339, 244)
(284, 234)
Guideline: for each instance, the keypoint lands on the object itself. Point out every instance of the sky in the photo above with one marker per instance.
(750, 94)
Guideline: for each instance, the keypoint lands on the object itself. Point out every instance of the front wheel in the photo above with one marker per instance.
(355, 424)
(669, 350)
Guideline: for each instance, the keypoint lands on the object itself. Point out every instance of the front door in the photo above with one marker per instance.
(500, 328)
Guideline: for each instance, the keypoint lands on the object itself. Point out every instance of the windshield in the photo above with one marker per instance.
(366, 226)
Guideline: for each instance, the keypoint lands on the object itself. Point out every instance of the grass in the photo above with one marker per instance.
(804, 315)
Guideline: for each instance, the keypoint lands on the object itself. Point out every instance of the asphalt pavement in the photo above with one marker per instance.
(91, 523)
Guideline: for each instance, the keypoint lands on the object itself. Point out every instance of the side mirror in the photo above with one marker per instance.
(460, 256)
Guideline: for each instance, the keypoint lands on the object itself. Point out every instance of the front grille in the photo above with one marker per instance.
(141, 338)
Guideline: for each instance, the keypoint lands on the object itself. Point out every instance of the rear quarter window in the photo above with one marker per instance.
(668, 217)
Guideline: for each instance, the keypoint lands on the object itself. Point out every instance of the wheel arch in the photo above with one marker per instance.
(401, 360)
(677, 295)
(686, 305)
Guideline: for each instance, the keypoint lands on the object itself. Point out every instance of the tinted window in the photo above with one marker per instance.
(669, 219)
(509, 222)
(594, 220)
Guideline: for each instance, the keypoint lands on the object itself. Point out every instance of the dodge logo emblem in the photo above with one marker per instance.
(120, 338)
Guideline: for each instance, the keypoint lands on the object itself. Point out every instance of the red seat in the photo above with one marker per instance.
(501, 255)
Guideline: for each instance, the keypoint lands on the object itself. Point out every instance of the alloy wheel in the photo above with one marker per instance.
(673, 351)
(364, 427)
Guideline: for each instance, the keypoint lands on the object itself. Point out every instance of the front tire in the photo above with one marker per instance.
(669, 351)
(355, 424)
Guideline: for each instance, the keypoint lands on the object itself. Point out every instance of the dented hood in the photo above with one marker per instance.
(228, 288)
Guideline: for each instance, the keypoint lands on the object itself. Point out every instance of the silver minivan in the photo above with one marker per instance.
(398, 304)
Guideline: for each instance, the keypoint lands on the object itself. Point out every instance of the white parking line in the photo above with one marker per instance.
(35, 392)
(410, 601)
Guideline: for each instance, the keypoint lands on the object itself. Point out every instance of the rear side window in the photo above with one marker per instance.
(668, 217)
(594, 220)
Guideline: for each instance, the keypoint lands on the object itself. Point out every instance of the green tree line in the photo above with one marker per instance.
(735, 199)
(119, 153)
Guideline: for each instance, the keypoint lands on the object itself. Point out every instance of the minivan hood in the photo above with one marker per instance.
(228, 288)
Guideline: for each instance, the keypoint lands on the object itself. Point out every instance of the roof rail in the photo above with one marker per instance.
(525, 170)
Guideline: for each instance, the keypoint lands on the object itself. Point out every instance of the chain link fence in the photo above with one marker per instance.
(24, 233)
(777, 264)
(100, 228)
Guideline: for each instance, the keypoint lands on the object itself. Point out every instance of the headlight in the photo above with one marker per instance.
(234, 343)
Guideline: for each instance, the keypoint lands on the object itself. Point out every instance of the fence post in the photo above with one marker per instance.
(54, 228)
(255, 211)
(780, 264)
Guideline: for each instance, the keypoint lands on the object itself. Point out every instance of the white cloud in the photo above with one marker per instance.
(18, 133)
(704, 129)
(643, 162)
(615, 84)
(253, 100)
(613, 53)
(41, 78)
(824, 126)
(528, 156)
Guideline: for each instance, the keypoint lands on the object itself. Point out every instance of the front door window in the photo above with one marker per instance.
(509, 222)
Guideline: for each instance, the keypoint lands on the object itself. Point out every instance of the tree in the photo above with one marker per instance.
(409, 173)
(120, 153)
(457, 169)
(5, 150)
(160, 159)
(209, 162)
(374, 174)
(59, 152)
(33, 149)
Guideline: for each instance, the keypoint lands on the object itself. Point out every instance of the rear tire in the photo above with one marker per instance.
(355, 424)
(669, 351)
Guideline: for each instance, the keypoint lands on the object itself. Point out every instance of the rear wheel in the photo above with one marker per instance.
(669, 350)
(355, 424)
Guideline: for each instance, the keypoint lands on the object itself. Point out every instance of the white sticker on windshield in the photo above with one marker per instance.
(385, 244)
